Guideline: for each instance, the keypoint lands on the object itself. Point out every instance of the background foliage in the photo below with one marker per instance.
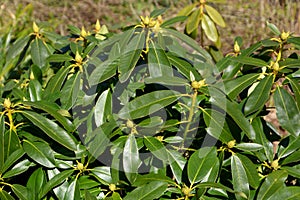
(146, 113)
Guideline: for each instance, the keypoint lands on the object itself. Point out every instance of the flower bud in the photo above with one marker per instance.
(236, 47)
(285, 35)
(80, 166)
(275, 165)
(78, 58)
(83, 33)
(231, 144)
(129, 124)
(35, 28)
(112, 187)
(97, 26)
(7, 103)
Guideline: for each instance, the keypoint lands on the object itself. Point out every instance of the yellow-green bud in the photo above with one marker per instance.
(83, 33)
(112, 187)
(198, 84)
(7, 103)
(236, 47)
(275, 66)
(80, 166)
(78, 58)
(35, 28)
(284, 35)
(275, 164)
(129, 124)
(97, 26)
(231, 144)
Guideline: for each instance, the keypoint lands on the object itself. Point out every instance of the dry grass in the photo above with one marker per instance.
(244, 18)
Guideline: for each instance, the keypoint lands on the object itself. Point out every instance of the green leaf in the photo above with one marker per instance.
(35, 183)
(148, 178)
(200, 162)
(288, 112)
(158, 62)
(54, 85)
(40, 152)
(16, 49)
(89, 196)
(184, 67)
(59, 58)
(293, 157)
(20, 191)
(293, 171)
(5, 196)
(2, 143)
(39, 53)
(173, 20)
(215, 15)
(69, 92)
(296, 89)
(293, 145)
(250, 61)
(35, 90)
(97, 142)
(157, 12)
(273, 183)
(148, 104)
(73, 191)
(193, 21)
(249, 146)
(131, 159)
(251, 171)
(53, 110)
(214, 185)
(150, 191)
(167, 80)
(19, 168)
(156, 148)
(273, 28)
(55, 181)
(103, 173)
(12, 158)
(103, 71)
(262, 139)
(51, 129)
(259, 96)
(287, 193)
(186, 11)
(239, 178)
(209, 28)
(236, 86)
(103, 107)
(177, 163)
(217, 125)
(130, 57)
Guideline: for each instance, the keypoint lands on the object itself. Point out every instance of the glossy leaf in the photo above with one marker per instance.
(216, 125)
(209, 28)
(239, 178)
(236, 86)
(250, 170)
(273, 183)
(20, 191)
(103, 107)
(19, 168)
(11, 159)
(287, 193)
(156, 148)
(35, 90)
(249, 146)
(40, 152)
(131, 159)
(73, 191)
(35, 183)
(147, 178)
(259, 96)
(54, 181)
(173, 20)
(39, 53)
(296, 89)
(148, 104)
(177, 163)
(55, 83)
(150, 191)
(215, 15)
(186, 10)
(158, 62)
(2, 142)
(51, 129)
(5, 196)
(70, 91)
(53, 110)
(250, 61)
(288, 112)
(193, 21)
(200, 162)
(103, 173)
(130, 57)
